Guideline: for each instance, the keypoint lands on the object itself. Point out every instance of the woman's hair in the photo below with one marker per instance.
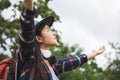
(39, 66)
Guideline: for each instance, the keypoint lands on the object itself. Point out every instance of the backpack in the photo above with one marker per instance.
(7, 69)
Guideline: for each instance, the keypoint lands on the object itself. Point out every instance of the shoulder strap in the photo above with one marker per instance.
(4, 67)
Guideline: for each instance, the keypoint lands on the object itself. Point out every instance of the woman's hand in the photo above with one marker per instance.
(96, 52)
(99, 51)
(28, 4)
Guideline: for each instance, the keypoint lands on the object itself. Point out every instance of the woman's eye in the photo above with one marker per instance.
(49, 30)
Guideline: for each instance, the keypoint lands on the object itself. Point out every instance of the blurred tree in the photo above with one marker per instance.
(3, 56)
(112, 72)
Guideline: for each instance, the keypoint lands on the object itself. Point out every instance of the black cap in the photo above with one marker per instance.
(47, 21)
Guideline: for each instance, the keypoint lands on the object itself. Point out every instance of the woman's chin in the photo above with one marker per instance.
(56, 43)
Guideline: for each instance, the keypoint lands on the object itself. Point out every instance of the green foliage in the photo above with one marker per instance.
(44, 10)
(113, 70)
(4, 4)
(2, 56)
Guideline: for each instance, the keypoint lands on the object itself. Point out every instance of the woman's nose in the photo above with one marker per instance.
(54, 33)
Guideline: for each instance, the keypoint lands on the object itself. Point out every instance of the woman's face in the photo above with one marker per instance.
(48, 38)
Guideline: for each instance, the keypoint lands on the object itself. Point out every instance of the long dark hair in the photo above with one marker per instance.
(39, 65)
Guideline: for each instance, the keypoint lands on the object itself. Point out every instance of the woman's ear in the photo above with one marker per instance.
(39, 39)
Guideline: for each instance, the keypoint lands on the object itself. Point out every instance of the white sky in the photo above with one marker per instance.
(89, 23)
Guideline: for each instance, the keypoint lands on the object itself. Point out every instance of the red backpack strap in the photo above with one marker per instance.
(4, 67)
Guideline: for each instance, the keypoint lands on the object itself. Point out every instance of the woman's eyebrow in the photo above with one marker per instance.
(48, 28)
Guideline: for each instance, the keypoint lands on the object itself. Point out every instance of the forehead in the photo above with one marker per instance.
(46, 27)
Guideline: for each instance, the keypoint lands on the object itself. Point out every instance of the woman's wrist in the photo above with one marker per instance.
(91, 55)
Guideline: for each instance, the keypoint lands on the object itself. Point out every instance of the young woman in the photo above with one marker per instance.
(34, 59)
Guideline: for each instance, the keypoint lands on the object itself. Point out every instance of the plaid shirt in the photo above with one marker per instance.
(27, 50)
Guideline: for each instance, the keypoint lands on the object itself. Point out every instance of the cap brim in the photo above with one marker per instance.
(47, 21)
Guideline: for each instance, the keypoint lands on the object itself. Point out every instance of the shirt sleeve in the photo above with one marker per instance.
(27, 34)
(67, 64)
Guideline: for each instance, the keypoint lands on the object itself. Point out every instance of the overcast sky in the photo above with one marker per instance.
(88, 20)
(88, 23)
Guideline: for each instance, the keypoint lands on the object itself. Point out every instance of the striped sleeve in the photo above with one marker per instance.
(27, 33)
(67, 64)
